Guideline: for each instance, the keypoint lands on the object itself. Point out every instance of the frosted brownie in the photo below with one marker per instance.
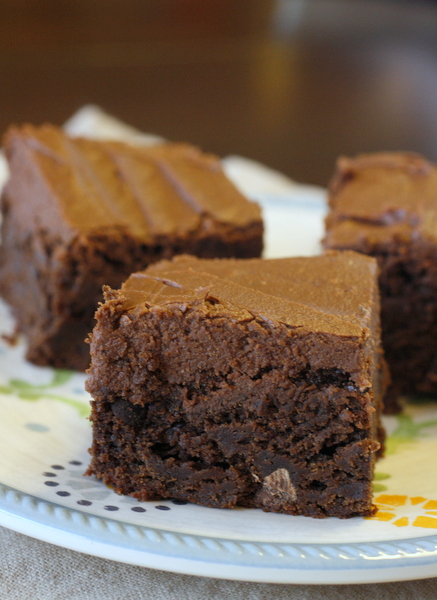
(78, 214)
(241, 382)
(384, 205)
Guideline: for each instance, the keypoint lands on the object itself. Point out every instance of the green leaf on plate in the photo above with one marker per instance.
(407, 432)
(381, 476)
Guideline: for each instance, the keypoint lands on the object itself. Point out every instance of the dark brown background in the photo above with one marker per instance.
(291, 83)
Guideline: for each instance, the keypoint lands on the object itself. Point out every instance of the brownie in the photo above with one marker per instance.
(253, 382)
(384, 205)
(78, 214)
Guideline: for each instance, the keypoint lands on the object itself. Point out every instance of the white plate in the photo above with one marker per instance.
(44, 436)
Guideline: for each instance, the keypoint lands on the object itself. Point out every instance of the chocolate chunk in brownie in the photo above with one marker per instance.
(241, 382)
(78, 214)
(384, 205)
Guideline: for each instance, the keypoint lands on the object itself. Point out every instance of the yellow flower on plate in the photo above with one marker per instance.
(390, 510)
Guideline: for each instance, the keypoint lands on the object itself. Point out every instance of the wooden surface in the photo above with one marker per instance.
(291, 83)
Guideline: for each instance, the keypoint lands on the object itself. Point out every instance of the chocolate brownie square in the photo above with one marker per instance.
(241, 382)
(384, 205)
(78, 214)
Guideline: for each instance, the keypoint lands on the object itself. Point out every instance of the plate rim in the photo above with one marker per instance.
(207, 556)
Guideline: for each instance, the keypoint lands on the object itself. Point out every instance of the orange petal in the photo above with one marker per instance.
(428, 522)
(417, 500)
(383, 516)
(391, 500)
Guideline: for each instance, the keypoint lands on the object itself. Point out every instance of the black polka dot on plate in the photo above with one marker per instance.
(58, 467)
(84, 502)
(179, 502)
(48, 474)
(51, 483)
(75, 462)
(161, 507)
(138, 509)
(64, 494)
(110, 507)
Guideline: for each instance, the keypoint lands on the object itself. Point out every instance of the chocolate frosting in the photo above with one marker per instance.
(382, 196)
(148, 192)
(333, 293)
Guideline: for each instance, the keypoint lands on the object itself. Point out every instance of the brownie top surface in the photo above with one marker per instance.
(333, 293)
(382, 196)
(148, 191)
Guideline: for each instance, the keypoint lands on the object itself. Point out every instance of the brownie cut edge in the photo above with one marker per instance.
(255, 383)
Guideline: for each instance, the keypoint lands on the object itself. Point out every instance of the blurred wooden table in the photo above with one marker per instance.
(291, 83)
